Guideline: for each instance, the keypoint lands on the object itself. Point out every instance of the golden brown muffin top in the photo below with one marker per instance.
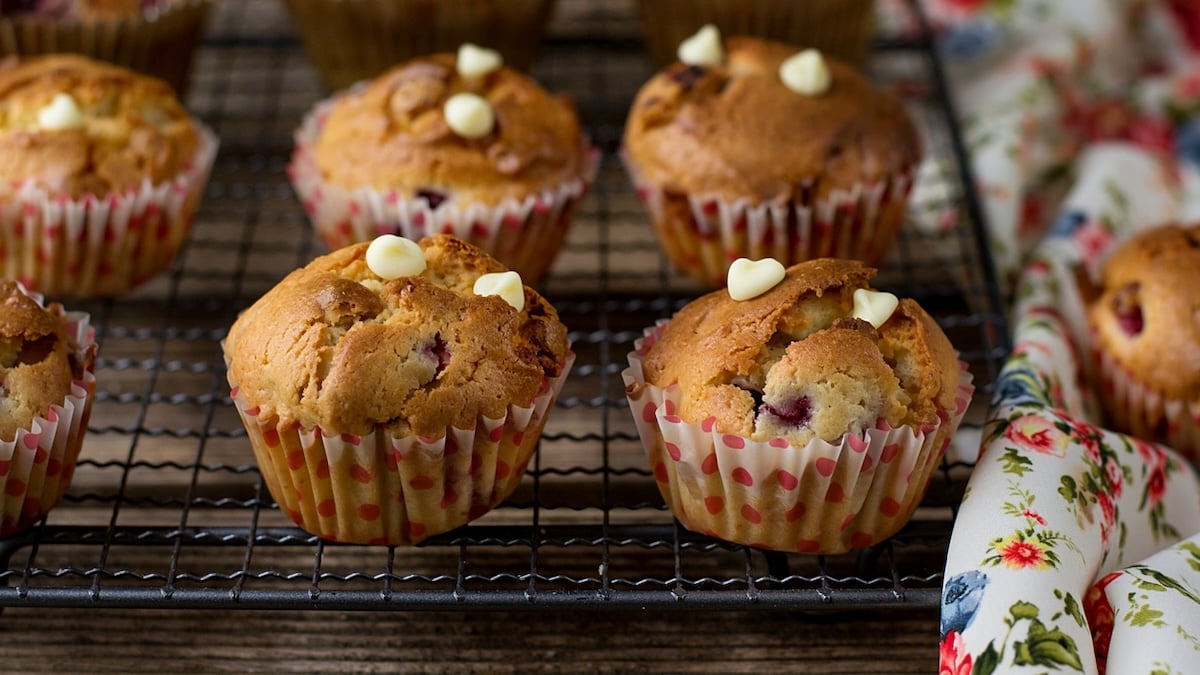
(130, 127)
(333, 345)
(1148, 313)
(736, 131)
(393, 135)
(37, 359)
(792, 363)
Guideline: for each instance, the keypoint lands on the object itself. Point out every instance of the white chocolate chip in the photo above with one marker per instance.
(751, 278)
(507, 285)
(874, 306)
(391, 257)
(702, 49)
(474, 62)
(806, 73)
(469, 115)
(60, 114)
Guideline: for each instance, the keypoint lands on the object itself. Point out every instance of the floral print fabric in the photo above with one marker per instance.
(1075, 548)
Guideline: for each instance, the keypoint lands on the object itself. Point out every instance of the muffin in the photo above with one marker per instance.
(451, 143)
(757, 149)
(153, 37)
(101, 171)
(46, 388)
(395, 390)
(841, 28)
(1146, 337)
(352, 40)
(807, 415)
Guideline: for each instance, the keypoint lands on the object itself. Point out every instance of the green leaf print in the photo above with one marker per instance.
(1014, 463)
(988, 661)
(1023, 610)
(1071, 609)
(1145, 616)
(1050, 648)
(1068, 489)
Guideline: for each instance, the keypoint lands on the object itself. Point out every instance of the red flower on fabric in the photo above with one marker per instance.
(1116, 478)
(1093, 239)
(1034, 432)
(1017, 553)
(953, 657)
(1187, 15)
(1108, 515)
(1100, 618)
(963, 5)
(1156, 485)
(1034, 516)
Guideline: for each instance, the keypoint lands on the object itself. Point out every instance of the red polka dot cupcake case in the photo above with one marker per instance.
(395, 390)
(40, 445)
(385, 489)
(769, 491)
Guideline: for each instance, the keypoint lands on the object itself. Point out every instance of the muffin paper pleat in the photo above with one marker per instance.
(37, 465)
(820, 498)
(702, 234)
(385, 489)
(99, 246)
(523, 234)
(160, 42)
(1144, 411)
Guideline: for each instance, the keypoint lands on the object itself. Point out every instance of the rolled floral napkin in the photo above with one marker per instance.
(1082, 118)
(1056, 501)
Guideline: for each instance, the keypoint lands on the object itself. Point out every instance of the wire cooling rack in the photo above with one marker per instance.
(167, 508)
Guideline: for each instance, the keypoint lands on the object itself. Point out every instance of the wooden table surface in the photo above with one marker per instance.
(200, 641)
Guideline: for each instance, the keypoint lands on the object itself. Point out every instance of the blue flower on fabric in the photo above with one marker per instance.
(1067, 222)
(1019, 386)
(960, 600)
(969, 40)
(1187, 141)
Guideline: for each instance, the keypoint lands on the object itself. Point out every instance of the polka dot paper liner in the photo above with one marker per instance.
(702, 234)
(37, 465)
(99, 246)
(819, 498)
(523, 234)
(385, 489)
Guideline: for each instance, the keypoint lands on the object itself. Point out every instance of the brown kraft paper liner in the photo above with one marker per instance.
(702, 235)
(841, 28)
(1138, 409)
(37, 465)
(525, 235)
(160, 42)
(352, 40)
(821, 498)
(99, 247)
(383, 489)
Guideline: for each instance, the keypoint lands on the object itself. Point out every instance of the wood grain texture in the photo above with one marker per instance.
(118, 641)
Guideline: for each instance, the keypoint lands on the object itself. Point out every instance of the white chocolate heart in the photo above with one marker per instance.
(751, 278)
(874, 306)
(702, 49)
(806, 73)
(474, 62)
(469, 115)
(60, 114)
(507, 285)
(391, 257)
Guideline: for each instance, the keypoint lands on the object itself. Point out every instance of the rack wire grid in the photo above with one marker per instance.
(167, 508)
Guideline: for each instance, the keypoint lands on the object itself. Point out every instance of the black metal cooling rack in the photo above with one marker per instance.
(167, 508)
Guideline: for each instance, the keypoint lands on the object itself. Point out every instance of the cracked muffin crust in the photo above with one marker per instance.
(392, 135)
(735, 131)
(119, 130)
(335, 346)
(792, 363)
(38, 361)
